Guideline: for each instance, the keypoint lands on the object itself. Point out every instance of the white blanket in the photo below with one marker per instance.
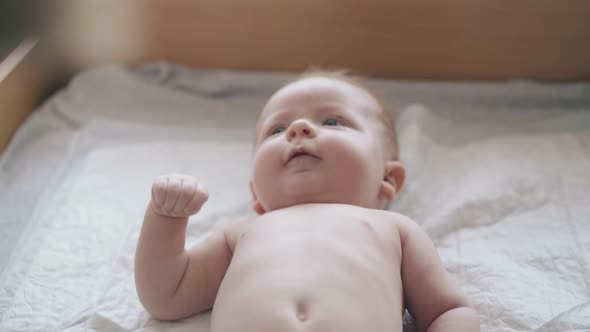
(498, 176)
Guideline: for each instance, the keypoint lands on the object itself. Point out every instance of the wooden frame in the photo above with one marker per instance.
(425, 39)
(24, 79)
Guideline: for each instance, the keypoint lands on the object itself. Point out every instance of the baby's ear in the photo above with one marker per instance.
(393, 180)
(255, 203)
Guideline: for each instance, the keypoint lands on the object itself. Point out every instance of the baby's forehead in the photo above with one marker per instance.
(316, 90)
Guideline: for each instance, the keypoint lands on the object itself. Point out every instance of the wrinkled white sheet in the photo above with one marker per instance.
(498, 175)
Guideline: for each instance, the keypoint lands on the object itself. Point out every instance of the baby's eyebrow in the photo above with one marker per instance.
(260, 123)
(330, 108)
(278, 115)
(283, 114)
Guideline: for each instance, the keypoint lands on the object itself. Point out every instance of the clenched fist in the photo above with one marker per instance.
(177, 195)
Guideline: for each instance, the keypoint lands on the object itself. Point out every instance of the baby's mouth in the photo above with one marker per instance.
(299, 152)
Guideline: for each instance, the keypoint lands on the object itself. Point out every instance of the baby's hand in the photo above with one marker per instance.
(177, 195)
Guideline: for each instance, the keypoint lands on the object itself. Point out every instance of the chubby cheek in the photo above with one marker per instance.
(355, 159)
(267, 161)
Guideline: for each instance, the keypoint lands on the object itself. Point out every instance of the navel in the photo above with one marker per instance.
(302, 310)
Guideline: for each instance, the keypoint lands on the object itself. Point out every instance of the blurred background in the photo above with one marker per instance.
(44, 43)
(458, 40)
(18, 19)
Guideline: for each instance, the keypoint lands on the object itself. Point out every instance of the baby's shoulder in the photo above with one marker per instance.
(234, 230)
(391, 217)
(402, 223)
(408, 229)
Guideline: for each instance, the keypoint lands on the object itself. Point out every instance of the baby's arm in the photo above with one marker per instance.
(433, 299)
(171, 282)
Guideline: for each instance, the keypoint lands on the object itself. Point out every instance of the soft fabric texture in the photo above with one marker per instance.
(498, 176)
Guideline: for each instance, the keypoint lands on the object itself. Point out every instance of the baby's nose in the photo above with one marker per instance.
(301, 128)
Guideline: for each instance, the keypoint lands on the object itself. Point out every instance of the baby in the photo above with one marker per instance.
(322, 255)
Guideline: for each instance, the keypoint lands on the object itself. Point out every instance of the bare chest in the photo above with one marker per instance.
(316, 271)
(313, 237)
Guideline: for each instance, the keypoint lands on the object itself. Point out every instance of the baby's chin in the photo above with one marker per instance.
(312, 188)
(295, 198)
(308, 186)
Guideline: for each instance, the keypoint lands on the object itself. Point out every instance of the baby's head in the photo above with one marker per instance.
(324, 138)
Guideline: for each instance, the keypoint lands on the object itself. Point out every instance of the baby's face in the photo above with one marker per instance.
(319, 140)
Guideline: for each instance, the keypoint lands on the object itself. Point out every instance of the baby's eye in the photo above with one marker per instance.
(277, 130)
(332, 122)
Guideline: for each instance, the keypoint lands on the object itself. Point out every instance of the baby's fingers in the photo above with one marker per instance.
(173, 191)
(199, 198)
(177, 195)
(159, 190)
(189, 189)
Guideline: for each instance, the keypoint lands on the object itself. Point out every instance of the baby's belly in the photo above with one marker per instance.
(344, 281)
